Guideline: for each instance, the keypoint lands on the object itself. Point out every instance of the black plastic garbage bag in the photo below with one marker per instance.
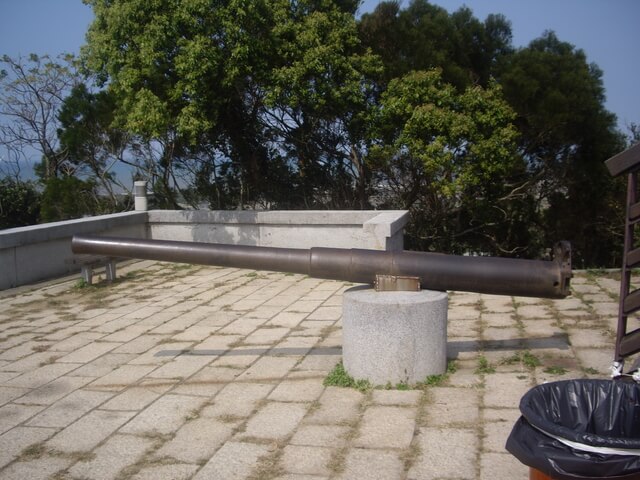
(580, 429)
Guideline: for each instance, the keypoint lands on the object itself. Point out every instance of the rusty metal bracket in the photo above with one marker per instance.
(397, 283)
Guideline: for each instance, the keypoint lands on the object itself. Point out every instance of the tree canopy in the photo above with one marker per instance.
(446, 156)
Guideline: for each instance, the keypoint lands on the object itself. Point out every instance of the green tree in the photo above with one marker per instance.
(451, 159)
(90, 143)
(424, 36)
(563, 190)
(317, 100)
(67, 197)
(32, 91)
(567, 134)
(19, 203)
(235, 93)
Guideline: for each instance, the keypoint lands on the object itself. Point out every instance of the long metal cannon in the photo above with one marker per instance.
(436, 271)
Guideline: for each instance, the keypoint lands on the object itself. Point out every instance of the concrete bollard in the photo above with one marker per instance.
(140, 195)
(394, 337)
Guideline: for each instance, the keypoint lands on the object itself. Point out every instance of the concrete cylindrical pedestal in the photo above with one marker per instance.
(140, 195)
(393, 337)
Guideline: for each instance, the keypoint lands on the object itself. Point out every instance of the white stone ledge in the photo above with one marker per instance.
(379, 230)
(16, 237)
(38, 252)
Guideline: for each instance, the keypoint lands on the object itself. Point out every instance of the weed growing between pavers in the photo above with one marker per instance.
(409, 456)
(328, 330)
(229, 418)
(69, 317)
(338, 377)
(484, 367)
(399, 386)
(594, 273)
(49, 361)
(268, 466)
(438, 380)
(182, 266)
(192, 415)
(256, 275)
(41, 348)
(555, 370)
(74, 456)
(145, 462)
(82, 286)
(526, 359)
(337, 463)
(32, 452)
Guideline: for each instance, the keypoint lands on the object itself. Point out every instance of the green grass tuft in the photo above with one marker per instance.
(80, 284)
(525, 358)
(484, 367)
(338, 377)
(553, 370)
(437, 380)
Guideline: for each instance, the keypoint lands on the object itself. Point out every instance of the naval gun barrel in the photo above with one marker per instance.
(436, 271)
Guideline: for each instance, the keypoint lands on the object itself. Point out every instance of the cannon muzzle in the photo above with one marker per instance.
(436, 271)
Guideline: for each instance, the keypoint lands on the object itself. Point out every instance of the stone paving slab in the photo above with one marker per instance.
(217, 373)
(276, 420)
(307, 460)
(366, 464)
(42, 468)
(321, 436)
(445, 453)
(453, 407)
(386, 427)
(67, 410)
(233, 461)
(115, 455)
(14, 442)
(197, 440)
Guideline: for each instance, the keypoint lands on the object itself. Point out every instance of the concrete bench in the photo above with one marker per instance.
(88, 263)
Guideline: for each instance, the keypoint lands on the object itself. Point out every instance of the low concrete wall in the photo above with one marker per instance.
(31, 254)
(38, 252)
(378, 230)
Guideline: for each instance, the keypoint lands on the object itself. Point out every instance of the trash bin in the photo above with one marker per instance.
(579, 430)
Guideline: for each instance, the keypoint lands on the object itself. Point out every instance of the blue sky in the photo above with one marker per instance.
(604, 29)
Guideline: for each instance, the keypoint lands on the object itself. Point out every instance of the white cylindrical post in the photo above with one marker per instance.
(394, 337)
(140, 195)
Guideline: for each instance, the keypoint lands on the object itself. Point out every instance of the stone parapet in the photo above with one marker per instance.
(38, 252)
(378, 230)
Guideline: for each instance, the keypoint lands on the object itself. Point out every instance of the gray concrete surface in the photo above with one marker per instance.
(394, 337)
(178, 372)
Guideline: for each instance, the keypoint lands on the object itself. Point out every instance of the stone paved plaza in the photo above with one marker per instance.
(188, 372)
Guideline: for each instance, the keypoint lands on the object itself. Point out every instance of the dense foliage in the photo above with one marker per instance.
(280, 104)
(19, 203)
